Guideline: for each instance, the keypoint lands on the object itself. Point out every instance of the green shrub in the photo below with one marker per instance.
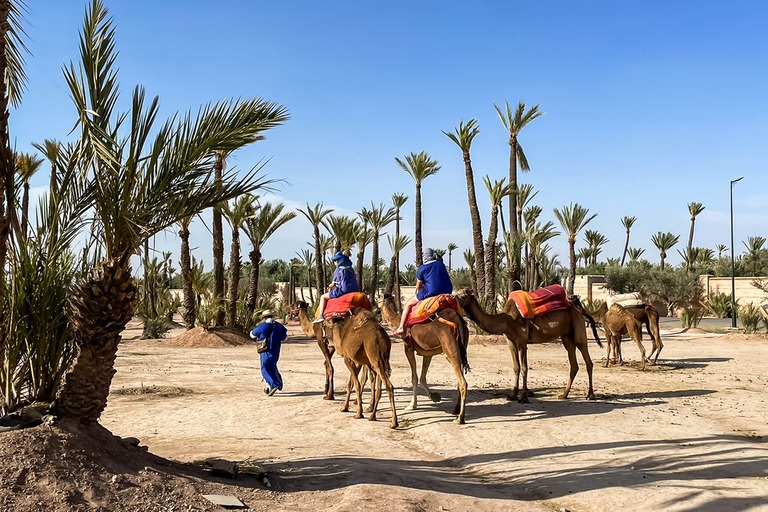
(719, 305)
(691, 316)
(750, 318)
(207, 314)
(155, 328)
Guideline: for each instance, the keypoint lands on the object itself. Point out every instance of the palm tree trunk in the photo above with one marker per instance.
(490, 259)
(319, 274)
(374, 267)
(234, 278)
(359, 268)
(572, 269)
(513, 265)
(417, 234)
(690, 235)
(218, 245)
(100, 308)
(190, 311)
(309, 279)
(477, 229)
(626, 250)
(253, 288)
(390, 286)
(398, 301)
(25, 210)
(6, 168)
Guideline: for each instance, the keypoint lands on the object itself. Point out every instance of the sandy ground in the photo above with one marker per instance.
(687, 434)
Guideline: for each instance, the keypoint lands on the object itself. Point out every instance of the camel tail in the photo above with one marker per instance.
(461, 334)
(576, 303)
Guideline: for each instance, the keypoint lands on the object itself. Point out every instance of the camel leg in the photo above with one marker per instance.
(525, 393)
(327, 354)
(608, 346)
(515, 366)
(409, 354)
(354, 370)
(657, 343)
(345, 404)
(583, 346)
(461, 399)
(574, 366)
(425, 362)
(633, 333)
(390, 392)
(375, 394)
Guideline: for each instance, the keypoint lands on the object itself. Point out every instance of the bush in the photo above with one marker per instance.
(691, 316)
(207, 313)
(155, 328)
(719, 305)
(750, 318)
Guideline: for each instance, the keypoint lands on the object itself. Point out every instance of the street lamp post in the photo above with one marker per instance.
(733, 263)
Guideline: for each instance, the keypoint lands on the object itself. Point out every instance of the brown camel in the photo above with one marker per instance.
(643, 314)
(566, 324)
(447, 334)
(362, 341)
(316, 331)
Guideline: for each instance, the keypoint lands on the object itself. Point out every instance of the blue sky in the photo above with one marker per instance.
(649, 105)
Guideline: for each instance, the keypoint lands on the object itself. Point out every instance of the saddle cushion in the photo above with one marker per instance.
(341, 305)
(541, 301)
(425, 310)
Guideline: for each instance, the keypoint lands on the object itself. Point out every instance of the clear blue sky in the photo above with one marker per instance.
(649, 105)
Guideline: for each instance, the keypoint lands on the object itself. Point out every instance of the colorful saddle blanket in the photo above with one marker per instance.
(541, 301)
(425, 310)
(341, 305)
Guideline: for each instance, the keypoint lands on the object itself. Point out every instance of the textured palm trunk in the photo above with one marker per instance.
(234, 278)
(417, 234)
(100, 308)
(390, 286)
(690, 235)
(319, 274)
(374, 267)
(54, 184)
(25, 210)
(218, 245)
(6, 168)
(626, 250)
(663, 255)
(513, 266)
(572, 269)
(190, 307)
(359, 269)
(397, 265)
(253, 288)
(490, 259)
(477, 228)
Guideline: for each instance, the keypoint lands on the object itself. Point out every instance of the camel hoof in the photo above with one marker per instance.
(372, 417)
(591, 395)
(435, 397)
(523, 399)
(394, 424)
(359, 416)
(563, 396)
(369, 409)
(411, 407)
(344, 409)
(328, 397)
(459, 421)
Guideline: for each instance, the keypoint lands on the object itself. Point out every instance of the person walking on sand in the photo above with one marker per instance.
(344, 282)
(432, 279)
(274, 333)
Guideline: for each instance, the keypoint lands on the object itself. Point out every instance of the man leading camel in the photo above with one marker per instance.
(431, 279)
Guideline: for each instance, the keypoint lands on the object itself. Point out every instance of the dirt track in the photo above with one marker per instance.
(688, 434)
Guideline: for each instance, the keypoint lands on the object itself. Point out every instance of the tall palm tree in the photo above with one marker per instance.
(201, 281)
(451, 247)
(236, 214)
(463, 136)
(573, 218)
(315, 215)
(513, 124)
(694, 209)
(537, 234)
(397, 244)
(378, 218)
(664, 242)
(525, 194)
(258, 228)
(190, 305)
(140, 183)
(12, 86)
(398, 200)
(307, 259)
(497, 191)
(26, 167)
(720, 250)
(218, 239)
(343, 229)
(627, 222)
(420, 167)
(595, 240)
(364, 238)
(51, 149)
(635, 253)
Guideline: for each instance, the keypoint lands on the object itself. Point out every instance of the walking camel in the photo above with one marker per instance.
(566, 324)
(362, 341)
(448, 335)
(618, 320)
(316, 331)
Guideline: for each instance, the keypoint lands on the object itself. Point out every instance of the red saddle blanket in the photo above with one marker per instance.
(426, 309)
(340, 306)
(541, 301)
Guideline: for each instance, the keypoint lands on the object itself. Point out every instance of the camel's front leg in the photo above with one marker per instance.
(354, 370)
(425, 361)
(328, 355)
(515, 366)
(345, 404)
(574, 365)
(524, 393)
(411, 356)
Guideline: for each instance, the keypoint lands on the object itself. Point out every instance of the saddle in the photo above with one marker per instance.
(541, 301)
(426, 310)
(341, 306)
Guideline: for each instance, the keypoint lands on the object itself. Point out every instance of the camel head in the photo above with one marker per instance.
(299, 305)
(464, 296)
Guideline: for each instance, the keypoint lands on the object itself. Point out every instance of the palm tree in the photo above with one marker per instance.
(364, 238)
(51, 149)
(451, 247)
(469, 259)
(525, 194)
(258, 229)
(190, 306)
(378, 219)
(513, 124)
(343, 229)
(720, 250)
(315, 216)
(664, 242)
(26, 167)
(307, 259)
(694, 209)
(463, 137)
(397, 244)
(218, 240)
(420, 167)
(635, 253)
(496, 190)
(137, 190)
(595, 241)
(244, 207)
(201, 282)
(536, 235)
(627, 222)
(398, 200)
(573, 218)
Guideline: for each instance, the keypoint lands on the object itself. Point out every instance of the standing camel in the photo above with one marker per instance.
(566, 324)
(447, 334)
(618, 319)
(362, 341)
(316, 331)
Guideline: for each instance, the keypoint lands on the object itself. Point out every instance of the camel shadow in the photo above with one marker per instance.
(515, 478)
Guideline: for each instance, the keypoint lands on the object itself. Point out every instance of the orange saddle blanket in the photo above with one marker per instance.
(340, 306)
(541, 301)
(425, 310)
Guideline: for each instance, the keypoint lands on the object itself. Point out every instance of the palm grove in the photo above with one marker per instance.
(70, 290)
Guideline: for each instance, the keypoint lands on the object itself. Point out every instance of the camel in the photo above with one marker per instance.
(362, 341)
(566, 324)
(447, 334)
(644, 314)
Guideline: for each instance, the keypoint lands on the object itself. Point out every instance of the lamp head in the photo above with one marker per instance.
(737, 180)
